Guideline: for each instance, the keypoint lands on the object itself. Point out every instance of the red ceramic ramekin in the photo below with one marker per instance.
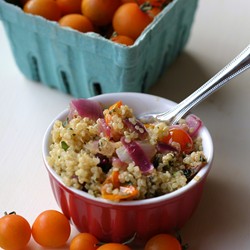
(117, 222)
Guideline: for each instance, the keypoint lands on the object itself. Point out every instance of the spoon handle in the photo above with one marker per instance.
(238, 65)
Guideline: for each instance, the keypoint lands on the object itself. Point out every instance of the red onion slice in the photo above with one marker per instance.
(85, 108)
(123, 154)
(138, 156)
(117, 163)
(194, 123)
(165, 148)
(148, 149)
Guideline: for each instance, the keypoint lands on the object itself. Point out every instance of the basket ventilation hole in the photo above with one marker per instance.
(166, 61)
(65, 82)
(144, 82)
(97, 89)
(34, 69)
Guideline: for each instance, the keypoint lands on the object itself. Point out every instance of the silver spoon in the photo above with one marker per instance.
(238, 65)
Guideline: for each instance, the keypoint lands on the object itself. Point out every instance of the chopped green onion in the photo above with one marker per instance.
(64, 145)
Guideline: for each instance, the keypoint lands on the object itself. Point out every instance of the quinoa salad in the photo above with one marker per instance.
(109, 153)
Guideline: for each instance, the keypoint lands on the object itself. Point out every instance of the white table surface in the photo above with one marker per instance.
(222, 220)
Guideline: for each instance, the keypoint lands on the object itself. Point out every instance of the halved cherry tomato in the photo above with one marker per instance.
(179, 135)
(45, 8)
(163, 242)
(126, 192)
(84, 241)
(113, 178)
(15, 232)
(51, 228)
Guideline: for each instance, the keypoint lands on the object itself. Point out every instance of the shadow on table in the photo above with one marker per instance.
(217, 216)
(183, 77)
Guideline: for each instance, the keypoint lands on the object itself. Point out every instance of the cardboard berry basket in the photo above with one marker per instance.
(88, 64)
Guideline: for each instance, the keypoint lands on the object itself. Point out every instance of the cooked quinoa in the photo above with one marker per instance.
(93, 155)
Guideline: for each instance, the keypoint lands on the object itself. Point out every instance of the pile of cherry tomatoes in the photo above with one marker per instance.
(51, 229)
(121, 21)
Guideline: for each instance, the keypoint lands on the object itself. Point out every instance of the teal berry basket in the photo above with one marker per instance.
(84, 65)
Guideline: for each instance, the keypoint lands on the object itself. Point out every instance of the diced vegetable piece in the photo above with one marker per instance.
(194, 123)
(85, 108)
(117, 163)
(148, 149)
(180, 136)
(138, 156)
(164, 148)
(123, 154)
(124, 192)
(112, 109)
(64, 145)
(105, 163)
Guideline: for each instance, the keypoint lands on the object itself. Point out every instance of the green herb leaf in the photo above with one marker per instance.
(64, 145)
(65, 123)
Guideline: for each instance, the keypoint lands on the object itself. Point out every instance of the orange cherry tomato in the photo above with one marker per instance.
(51, 229)
(100, 12)
(163, 242)
(84, 241)
(15, 232)
(128, 1)
(114, 246)
(180, 136)
(122, 40)
(129, 20)
(45, 8)
(127, 192)
(69, 6)
(139, 2)
(77, 22)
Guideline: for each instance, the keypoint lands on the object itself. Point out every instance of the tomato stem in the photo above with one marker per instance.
(130, 240)
(13, 212)
(114, 34)
(146, 6)
(179, 238)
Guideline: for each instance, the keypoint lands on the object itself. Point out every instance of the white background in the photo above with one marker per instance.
(222, 220)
